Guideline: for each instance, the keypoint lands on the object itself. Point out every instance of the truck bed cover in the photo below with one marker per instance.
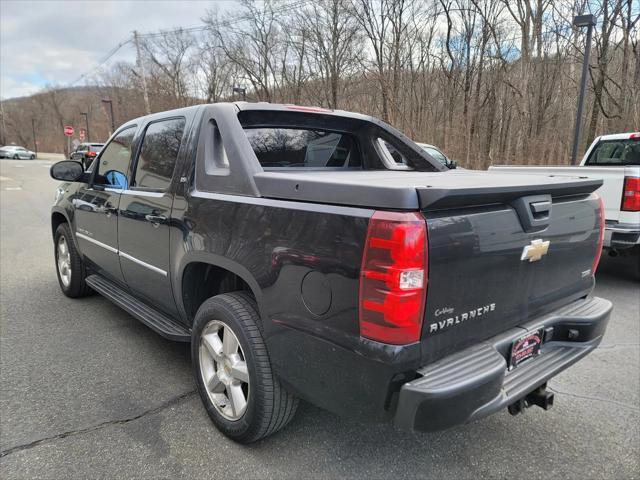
(408, 190)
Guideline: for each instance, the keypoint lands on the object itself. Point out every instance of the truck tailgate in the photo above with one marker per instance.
(479, 283)
(612, 180)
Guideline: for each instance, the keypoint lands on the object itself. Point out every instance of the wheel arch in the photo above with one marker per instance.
(204, 275)
(57, 218)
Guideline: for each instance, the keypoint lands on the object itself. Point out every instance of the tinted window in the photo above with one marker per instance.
(158, 154)
(302, 148)
(114, 161)
(616, 152)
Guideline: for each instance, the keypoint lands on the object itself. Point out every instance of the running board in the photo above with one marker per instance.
(153, 319)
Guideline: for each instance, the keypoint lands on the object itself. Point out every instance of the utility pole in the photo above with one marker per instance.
(35, 142)
(588, 21)
(113, 123)
(143, 73)
(86, 123)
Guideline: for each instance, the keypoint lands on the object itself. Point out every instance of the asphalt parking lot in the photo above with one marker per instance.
(88, 392)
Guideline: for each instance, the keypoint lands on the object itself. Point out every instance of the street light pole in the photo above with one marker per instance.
(86, 123)
(35, 142)
(113, 123)
(588, 21)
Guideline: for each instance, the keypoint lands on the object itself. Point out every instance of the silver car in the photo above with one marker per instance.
(17, 153)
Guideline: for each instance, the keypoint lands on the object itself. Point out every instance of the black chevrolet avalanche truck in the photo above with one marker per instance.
(322, 255)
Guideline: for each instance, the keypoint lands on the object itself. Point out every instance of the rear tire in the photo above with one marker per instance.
(16, 157)
(227, 348)
(69, 265)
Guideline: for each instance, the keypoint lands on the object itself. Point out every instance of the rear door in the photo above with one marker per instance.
(145, 211)
(96, 206)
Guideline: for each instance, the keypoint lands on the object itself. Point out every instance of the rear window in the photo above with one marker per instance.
(615, 152)
(281, 148)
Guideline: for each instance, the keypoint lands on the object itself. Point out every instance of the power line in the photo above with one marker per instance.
(195, 28)
(224, 23)
(102, 61)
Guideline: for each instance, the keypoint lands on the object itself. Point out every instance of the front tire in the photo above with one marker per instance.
(69, 266)
(32, 157)
(244, 399)
(16, 157)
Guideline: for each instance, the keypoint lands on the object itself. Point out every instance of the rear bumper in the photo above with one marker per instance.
(621, 235)
(474, 383)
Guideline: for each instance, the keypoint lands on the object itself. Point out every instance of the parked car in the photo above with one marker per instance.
(302, 259)
(17, 153)
(436, 153)
(614, 159)
(86, 153)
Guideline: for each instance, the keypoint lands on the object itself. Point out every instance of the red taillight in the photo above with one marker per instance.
(631, 194)
(393, 278)
(601, 219)
(634, 135)
(91, 154)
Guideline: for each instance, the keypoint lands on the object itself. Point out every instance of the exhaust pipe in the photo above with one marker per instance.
(539, 397)
(613, 253)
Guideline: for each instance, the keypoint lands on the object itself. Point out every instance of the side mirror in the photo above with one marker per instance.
(452, 164)
(67, 171)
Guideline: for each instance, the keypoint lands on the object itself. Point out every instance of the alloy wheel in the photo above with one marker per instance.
(64, 261)
(223, 370)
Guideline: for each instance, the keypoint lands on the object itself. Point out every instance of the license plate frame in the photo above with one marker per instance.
(525, 348)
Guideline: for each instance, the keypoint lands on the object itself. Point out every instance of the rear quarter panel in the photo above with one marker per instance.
(303, 262)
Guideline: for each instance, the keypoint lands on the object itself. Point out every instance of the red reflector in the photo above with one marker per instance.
(91, 154)
(600, 220)
(634, 135)
(393, 278)
(631, 194)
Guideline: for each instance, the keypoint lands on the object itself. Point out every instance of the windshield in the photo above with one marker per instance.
(616, 152)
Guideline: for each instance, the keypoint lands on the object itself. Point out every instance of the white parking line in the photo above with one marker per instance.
(13, 188)
(5, 179)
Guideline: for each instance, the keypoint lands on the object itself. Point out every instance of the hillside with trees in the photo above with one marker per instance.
(489, 81)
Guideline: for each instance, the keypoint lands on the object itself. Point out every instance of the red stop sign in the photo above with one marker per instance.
(68, 130)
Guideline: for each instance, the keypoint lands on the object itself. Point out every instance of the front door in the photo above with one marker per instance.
(145, 212)
(96, 207)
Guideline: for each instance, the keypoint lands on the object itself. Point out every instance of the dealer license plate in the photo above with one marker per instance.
(525, 347)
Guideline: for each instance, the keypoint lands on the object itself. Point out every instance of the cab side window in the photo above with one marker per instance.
(158, 154)
(114, 161)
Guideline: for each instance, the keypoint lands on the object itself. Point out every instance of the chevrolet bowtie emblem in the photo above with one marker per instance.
(535, 250)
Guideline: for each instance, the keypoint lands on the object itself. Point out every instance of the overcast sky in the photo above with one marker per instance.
(53, 42)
